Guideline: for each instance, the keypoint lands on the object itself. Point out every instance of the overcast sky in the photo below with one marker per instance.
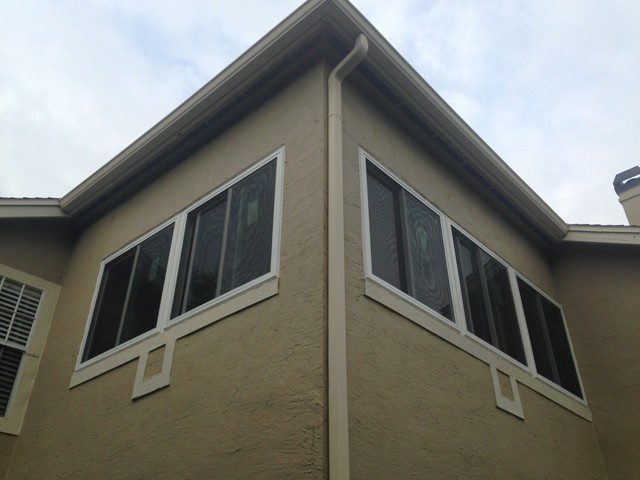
(552, 86)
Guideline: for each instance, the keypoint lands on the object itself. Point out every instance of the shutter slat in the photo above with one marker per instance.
(18, 308)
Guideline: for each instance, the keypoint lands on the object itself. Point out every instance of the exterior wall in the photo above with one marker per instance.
(599, 289)
(35, 246)
(248, 394)
(418, 405)
(7, 442)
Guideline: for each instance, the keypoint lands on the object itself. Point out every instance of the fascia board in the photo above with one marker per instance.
(603, 234)
(215, 94)
(396, 71)
(383, 59)
(16, 208)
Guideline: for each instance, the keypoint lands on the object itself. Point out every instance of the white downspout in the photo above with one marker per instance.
(337, 335)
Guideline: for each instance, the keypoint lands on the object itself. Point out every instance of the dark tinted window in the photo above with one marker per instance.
(549, 341)
(202, 247)
(384, 228)
(227, 241)
(407, 249)
(250, 227)
(487, 298)
(129, 296)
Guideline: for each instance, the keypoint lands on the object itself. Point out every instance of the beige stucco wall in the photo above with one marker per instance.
(599, 289)
(248, 394)
(418, 406)
(36, 246)
(7, 443)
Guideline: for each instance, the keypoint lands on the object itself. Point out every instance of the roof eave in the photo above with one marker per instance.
(383, 59)
(602, 234)
(23, 208)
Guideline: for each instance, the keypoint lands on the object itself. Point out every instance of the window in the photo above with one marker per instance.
(488, 301)
(18, 309)
(407, 250)
(549, 341)
(130, 293)
(414, 253)
(227, 241)
(210, 251)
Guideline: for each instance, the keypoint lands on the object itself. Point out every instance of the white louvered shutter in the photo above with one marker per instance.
(18, 309)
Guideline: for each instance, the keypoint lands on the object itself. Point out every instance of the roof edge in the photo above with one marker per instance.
(22, 208)
(113, 171)
(603, 234)
(387, 62)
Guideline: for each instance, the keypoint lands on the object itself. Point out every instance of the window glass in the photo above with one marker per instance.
(228, 241)
(407, 249)
(427, 279)
(549, 340)
(202, 248)
(250, 227)
(487, 298)
(129, 295)
(384, 229)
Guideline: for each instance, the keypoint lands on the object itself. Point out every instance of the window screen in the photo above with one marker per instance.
(487, 298)
(129, 296)
(549, 341)
(227, 241)
(407, 250)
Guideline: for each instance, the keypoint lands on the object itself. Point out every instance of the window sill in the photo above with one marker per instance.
(246, 296)
(424, 317)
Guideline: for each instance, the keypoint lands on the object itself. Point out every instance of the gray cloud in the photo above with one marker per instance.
(551, 86)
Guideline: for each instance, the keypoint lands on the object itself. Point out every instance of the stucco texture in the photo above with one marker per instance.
(35, 246)
(420, 407)
(248, 394)
(599, 290)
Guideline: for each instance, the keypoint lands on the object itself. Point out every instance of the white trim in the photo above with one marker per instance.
(231, 305)
(566, 331)
(455, 288)
(79, 363)
(522, 321)
(514, 406)
(122, 353)
(219, 299)
(470, 345)
(367, 260)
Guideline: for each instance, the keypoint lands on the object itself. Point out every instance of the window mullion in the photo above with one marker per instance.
(457, 294)
(405, 244)
(225, 236)
(522, 320)
(487, 299)
(465, 293)
(192, 249)
(547, 340)
(171, 277)
(128, 295)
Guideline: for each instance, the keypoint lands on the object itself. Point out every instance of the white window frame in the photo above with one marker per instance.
(459, 325)
(179, 221)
